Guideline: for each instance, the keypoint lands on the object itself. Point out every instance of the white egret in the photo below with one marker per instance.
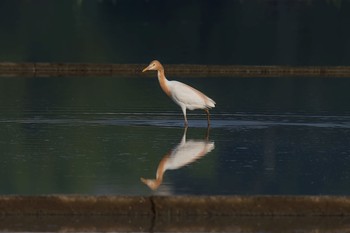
(182, 94)
(185, 153)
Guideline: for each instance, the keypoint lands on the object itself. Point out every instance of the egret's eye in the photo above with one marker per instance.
(153, 64)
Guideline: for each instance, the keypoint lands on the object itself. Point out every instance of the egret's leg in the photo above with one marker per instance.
(185, 117)
(207, 134)
(208, 116)
(183, 140)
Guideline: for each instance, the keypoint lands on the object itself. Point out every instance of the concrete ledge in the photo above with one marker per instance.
(191, 70)
(73, 213)
(176, 206)
(172, 224)
(75, 205)
(253, 206)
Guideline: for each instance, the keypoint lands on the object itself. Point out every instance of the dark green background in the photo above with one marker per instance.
(195, 31)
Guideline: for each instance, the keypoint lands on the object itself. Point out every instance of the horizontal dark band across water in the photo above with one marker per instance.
(135, 70)
(176, 205)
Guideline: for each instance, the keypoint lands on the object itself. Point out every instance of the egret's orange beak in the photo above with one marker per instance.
(152, 184)
(145, 69)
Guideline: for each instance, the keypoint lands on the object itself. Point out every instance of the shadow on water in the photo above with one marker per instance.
(185, 153)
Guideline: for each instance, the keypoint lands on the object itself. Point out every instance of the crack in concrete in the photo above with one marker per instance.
(154, 214)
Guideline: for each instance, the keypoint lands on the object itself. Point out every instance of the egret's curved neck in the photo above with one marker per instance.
(163, 82)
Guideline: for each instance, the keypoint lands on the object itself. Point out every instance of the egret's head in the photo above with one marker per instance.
(152, 184)
(154, 65)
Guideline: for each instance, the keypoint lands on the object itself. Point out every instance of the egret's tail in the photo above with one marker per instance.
(210, 103)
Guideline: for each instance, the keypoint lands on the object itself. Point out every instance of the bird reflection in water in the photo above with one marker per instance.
(184, 153)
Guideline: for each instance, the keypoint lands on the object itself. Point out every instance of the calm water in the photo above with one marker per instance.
(102, 135)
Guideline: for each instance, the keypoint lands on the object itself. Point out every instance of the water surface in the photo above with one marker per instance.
(102, 135)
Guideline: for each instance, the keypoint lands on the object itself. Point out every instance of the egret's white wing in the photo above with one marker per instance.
(188, 96)
(188, 153)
